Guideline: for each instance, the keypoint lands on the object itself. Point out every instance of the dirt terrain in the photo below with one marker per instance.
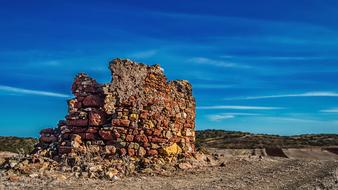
(240, 170)
(305, 162)
(310, 154)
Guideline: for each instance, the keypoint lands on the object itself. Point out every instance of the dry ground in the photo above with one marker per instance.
(236, 172)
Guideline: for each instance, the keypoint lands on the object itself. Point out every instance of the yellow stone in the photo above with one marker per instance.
(149, 124)
(133, 117)
(172, 150)
(152, 76)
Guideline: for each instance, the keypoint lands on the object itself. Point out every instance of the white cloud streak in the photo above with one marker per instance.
(221, 107)
(291, 119)
(332, 110)
(216, 63)
(220, 117)
(223, 116)
(306, 94)
(18, 91)
(278, 58)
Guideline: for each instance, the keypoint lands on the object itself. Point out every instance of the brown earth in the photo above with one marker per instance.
(310, 154)
(236, 171)
(307, 162)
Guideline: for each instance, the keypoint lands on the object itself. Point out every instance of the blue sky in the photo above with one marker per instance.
(262, 66)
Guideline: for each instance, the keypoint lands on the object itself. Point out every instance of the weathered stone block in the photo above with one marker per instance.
(106, 135)
(97, 118)
(93, 101)
(47, 131)
(48, 139)
(152, 152)
(129, 138)
(172, 150)
(78, 122)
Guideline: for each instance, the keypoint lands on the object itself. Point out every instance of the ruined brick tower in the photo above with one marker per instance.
(138, 114)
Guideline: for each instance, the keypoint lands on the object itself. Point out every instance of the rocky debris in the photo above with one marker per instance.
(136, 121)
(78, 166)
(235, 173)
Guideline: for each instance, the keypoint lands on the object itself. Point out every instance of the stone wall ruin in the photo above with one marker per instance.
(138, 114)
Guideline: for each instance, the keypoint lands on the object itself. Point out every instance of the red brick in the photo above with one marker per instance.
(111, 142)
(78, 122)
(131, 152)
(124, 122)
(144, 114)
(165, 123)
(148, 132)
(48, 139)
(97, 118)
(89, 136)
(152, 152)
(175, 139)
(129, 138)
(146, 144)
(92, 101)
(47, 131)
(123, 151)
(157, 140)
(117, 135)
(105, 135)
(141, 138)
(92, 130)
(78, 129)
(110, 149)
(80, 98)
(115, 122)
(157, 132)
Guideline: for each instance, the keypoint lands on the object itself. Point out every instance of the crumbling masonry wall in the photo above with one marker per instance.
(138, 114)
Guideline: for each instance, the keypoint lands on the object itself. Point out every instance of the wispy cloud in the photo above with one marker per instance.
(332, 110)
(52, 63)
(306, 94)
(290, 119)
(221, 107)
(143, 54)
(220, 117)
(223, 116)
(14, 90)
(277, 58)
(216, 63)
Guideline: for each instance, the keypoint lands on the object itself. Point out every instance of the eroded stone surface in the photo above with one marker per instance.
(139, 114)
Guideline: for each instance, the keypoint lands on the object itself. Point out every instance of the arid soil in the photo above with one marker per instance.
(241, 171)
(310, 154)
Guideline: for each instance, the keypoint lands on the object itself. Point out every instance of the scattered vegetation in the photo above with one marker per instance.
(17, 144)
(242, 140)
(211, 139)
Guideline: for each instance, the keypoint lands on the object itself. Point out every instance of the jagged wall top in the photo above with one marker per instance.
(129, 79)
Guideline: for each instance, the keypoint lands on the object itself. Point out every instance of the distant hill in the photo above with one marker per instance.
(241, 140)
(212, 139)
(17, 144)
